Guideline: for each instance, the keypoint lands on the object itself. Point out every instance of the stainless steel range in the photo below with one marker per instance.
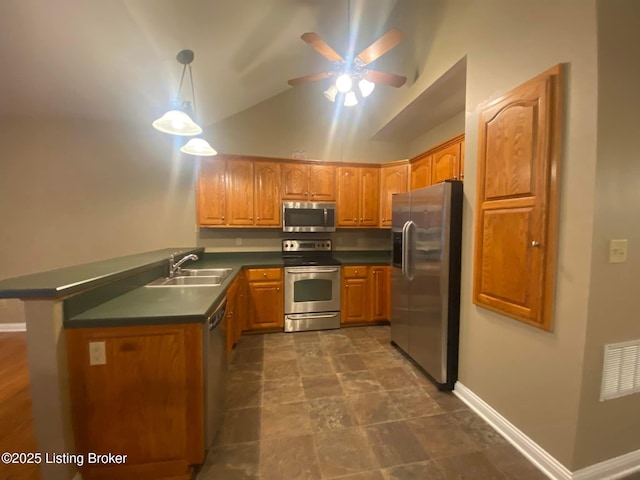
(311, 286)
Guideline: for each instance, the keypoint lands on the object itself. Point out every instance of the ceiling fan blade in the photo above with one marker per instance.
(308, 78)
(390, 79)
(321, 46)
(381, 46)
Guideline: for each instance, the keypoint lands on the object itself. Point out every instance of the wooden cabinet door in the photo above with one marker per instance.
(268, 205)
(211, 192)
(517, 201)
(266, 303)
(239, 192)
(369, 196)
(462, 160)
(322, 183)
(445, 164)
(231, 320)
(392, 180)
(295, 181)
(379, 300)
(146, 400)
(421, 173)
(354, 300)
(348, 207)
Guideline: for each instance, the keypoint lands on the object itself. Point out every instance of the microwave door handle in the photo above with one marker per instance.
(325, 218)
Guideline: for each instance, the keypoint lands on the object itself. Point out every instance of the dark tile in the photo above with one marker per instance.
(321, 386)
(248, 355)
(240, 425)
(480, 430)
(337, 345)
(348, 363)
(469, 466)
(415, 471)
(394, 378)
(276, 392)
(250, 341)
(358, 382)
(281, 369)
(244, 372)
(300, 338)
(381, 359)
(278, 339)
(414, 402)
(441, 436)
(243, 394)
(375, 407)
(288, 458)
(448, 401)
(285, 420)
(310, 350)
(372, 475)
(330, 413)
(231, 462)
(344, 452)
(280, 353)
(310, 366)
(364, 345)
(394, 443)
(514, 465)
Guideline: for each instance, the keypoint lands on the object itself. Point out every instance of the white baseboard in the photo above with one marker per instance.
(611, 469)
(13, 327)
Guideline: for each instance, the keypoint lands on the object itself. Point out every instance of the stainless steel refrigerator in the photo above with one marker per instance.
(425, 278)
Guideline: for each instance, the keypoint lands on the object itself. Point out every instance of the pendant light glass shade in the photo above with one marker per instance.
(176, 122)
(199, 147)
(350, 99)
(366, 87)
(331, 93)
(344, 83)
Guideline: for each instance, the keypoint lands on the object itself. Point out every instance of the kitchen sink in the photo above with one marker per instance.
(207, 277)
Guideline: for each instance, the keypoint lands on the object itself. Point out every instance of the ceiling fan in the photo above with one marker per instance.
(353, 69)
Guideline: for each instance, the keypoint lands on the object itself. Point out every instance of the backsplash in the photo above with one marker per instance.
(270, 240)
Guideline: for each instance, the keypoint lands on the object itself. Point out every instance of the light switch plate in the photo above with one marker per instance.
(618, 251)
(97, 354)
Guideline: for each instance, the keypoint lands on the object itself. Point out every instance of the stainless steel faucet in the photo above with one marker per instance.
(174, 267)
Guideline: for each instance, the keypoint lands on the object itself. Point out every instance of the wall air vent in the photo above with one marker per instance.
(621, 371)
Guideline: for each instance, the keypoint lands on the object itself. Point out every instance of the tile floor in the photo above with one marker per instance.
(346, 404)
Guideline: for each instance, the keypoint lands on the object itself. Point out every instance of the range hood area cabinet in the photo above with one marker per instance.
(358, 197)
(308, 183)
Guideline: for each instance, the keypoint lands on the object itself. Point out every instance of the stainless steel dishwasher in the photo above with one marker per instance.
(215, 372)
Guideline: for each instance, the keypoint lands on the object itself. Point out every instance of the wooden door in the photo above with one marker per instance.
(348, 207)
(445, 164)
(266, 303)
(369, 196)
(393, 179)
(268, 205)
(421, 173)
(239, 192)
(211, 192)
(379, 299)
(355, 300)
(517, 201)
(295, 181)
(322, 183)
(462, 160)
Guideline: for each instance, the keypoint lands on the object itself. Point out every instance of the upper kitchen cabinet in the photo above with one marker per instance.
(516, 211)
(421, 172)
(267, 194)
(306, 182)
(240, 193)
(393, 179)
(211, 192)
(440, 163)
(445, 164)
(358, 196)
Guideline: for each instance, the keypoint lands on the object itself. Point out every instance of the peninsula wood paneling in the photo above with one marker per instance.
(517, 202)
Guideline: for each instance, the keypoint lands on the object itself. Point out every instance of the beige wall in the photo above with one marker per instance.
(611, 428)
(73, 192)
(450, 128)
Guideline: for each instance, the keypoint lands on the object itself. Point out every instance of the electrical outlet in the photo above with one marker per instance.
(97, 354)
(238, 241)
(3, 304)
(617, 251)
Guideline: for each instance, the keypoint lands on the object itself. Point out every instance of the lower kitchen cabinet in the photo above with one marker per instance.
(380, 285)
(138, 391)
(266, 299)
(365, 294)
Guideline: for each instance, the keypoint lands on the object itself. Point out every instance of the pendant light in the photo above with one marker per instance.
(178, 120)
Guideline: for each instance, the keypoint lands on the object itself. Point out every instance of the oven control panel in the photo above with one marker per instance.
(306, 245)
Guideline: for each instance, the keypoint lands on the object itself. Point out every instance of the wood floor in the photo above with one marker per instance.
(16, 421)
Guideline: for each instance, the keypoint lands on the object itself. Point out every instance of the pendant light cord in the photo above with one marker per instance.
(184, 68)
(193, 96)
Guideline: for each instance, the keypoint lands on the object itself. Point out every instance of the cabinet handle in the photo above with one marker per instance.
(535, 244)
(257, 218)
(306, 193)
(346, 286)
(222, 217)
(356, 272)
(264, 274)
(277, 289)
(360, 219)
(250, 218)
(353, 219)
(384, 219)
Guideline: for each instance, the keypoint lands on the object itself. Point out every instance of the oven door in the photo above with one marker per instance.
(311, 289)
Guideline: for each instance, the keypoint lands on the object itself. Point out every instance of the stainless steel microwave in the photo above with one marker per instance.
(308, 217)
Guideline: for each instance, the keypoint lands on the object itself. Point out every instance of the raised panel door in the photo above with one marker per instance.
(516, 217)
(268, 205)
(355, 300)
(348, 205)
(322, 183)
(239, 192)
(445, 164)
(392, 180)
(266, 303)
(211, 192)
(421, 173)
(462, 160)
(379, 300)
(369, 196)
(295, 181)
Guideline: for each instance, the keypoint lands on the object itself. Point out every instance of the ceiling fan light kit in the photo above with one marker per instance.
(350, 99)
(178, 122)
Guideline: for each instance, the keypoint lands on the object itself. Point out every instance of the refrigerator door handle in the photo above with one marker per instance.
(404, 249)
(409, 249)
